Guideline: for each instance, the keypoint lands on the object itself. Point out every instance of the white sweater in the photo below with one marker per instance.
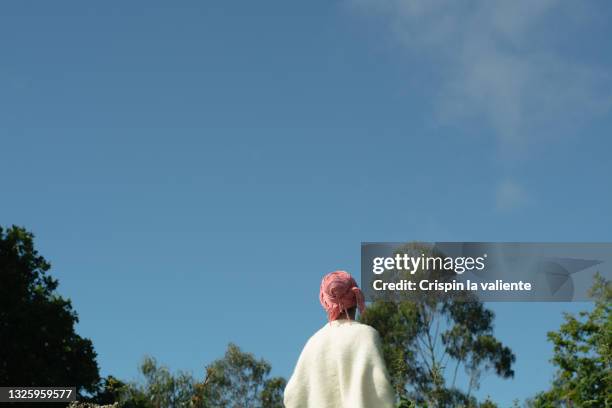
(341, 366)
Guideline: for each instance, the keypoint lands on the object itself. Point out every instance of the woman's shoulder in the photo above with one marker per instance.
(364, 330)
(347, 327)
(346, 335)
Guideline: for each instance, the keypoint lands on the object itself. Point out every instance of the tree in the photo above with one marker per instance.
(39, 344)
(583, 355)
(113, 390)
(239, 380)
(427, 339)
(161, 388)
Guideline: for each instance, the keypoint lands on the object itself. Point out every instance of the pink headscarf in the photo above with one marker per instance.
(339, 292)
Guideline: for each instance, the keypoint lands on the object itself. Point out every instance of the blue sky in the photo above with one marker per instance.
(192, 170)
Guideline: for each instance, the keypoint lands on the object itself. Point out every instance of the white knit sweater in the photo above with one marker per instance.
(341, 366)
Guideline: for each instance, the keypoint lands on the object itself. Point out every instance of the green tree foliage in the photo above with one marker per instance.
(161, 388)
(487, 403)
(39, 345)
(427, 340)
(239, 380)
(128, 395)
(110, 391)
(583, 355)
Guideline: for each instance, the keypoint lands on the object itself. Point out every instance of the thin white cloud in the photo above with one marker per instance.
(510, 196)
(499, 64)
(492, 68)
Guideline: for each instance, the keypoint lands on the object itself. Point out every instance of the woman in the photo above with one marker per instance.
(341, 365)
